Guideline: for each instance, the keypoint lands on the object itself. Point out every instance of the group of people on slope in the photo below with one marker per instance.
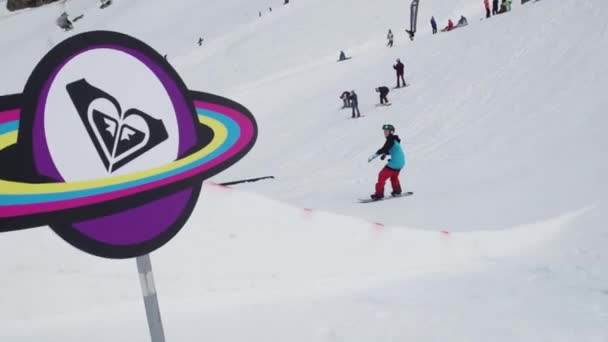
(450, 26)
(505, 6)
(351, 99)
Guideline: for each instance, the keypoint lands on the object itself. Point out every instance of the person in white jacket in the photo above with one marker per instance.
(390, 37)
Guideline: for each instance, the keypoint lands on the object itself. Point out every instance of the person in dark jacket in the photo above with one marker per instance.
(392, 147)
(434, 24)
(486, 5)
(383, 92)
(400, 69)
(345, 97)
(354, 103)
(200, 41)
(462, 21)
(494, 7)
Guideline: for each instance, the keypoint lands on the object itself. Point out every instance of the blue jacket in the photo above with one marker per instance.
(392, 147)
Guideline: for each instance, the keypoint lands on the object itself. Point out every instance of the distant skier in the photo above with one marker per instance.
(200, 41)
(342, 57)
(260, 14)
(64, 22)
(400, 69)
(286, 2)
(354, 103)
(462, 21)
(494, 7)
(486, 4)
(450, 26)
(392, 147)
(345, 97)
(383, 92)
(433, 25)
(390, 37)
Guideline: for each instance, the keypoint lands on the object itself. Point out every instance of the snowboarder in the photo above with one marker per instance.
(200, 41)
(450, 26)
(392, 148)
(433, 25)
(383, 92)
(494, 7)
(486, 4)
(400, 69)
(345, 97)
(342, 56)
(390, 37)
(354, 103)
(64, 22)
(462, 21)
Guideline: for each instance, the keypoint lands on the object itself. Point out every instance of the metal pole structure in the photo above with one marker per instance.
(146, 278)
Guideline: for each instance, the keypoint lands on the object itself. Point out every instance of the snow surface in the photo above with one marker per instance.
(504, 240)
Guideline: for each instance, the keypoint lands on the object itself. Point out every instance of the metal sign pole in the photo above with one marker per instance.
(146, 278)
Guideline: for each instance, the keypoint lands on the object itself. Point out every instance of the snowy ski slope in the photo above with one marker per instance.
(504, 130)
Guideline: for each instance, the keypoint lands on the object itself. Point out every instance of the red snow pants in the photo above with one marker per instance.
(384, 175)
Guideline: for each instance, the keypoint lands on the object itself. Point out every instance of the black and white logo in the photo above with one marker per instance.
(119, 137)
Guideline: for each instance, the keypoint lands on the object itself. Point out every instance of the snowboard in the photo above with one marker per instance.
(405, 86)
(383, 105)
(356, 117)
(369, 200)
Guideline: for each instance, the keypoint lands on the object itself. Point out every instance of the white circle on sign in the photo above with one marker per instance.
(123, 133)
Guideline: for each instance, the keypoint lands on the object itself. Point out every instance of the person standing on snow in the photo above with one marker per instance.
(383, 92)
(390, 37)
(392, 147)
(486, 4)
(434, 24)
(345, 97)
(494, 7)
(400, 69)
(354, 103)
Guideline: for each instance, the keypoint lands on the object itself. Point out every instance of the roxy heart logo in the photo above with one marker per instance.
(119, 136)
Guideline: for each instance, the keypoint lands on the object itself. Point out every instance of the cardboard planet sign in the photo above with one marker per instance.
(108, 147)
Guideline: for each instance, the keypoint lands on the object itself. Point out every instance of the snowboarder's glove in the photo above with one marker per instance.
(383, 156)
(372, 157)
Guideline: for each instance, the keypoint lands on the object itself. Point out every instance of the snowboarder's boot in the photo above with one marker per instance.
(376, 197)
(396, 192)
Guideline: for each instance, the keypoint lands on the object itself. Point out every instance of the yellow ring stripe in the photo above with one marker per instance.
(220, 135)
(7, 140)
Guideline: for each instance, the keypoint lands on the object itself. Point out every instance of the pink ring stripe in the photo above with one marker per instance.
(9, 115)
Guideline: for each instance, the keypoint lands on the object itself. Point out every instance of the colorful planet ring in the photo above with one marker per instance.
(108, 147)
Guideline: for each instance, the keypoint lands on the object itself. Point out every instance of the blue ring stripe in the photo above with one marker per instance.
(8, 127)
(234, 133)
